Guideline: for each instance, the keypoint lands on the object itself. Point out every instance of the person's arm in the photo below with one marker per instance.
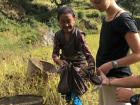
(87, 53)
(133, 40)
(128, 82)
(56, 50)
(139, 102)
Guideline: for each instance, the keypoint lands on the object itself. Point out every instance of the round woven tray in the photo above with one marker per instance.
(22, 100)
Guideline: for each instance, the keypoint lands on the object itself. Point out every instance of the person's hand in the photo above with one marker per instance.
(123, 94)
(105, 68)
(105, 80)
(90, 70)
(61, 63)
(139, 102)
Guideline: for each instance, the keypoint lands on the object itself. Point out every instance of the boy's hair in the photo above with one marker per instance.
(64, 10)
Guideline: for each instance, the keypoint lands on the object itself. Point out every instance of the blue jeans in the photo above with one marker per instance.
(75, 99)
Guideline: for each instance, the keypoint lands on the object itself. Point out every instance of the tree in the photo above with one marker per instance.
(60, 2)
(131, 5)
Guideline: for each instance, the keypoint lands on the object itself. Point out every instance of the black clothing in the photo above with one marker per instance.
(113, 45)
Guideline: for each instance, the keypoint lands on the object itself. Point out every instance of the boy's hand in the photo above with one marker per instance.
(90, 73)
(91, 68)
(61, 63)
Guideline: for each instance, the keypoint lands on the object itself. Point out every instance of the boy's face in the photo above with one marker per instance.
(101, 5)
(66, 22)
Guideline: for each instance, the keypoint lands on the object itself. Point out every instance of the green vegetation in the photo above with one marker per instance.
(21, 37)
(132, 6)
(137, 18)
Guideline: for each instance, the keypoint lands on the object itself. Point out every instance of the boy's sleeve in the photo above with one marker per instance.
(56, 49)
(85, 49)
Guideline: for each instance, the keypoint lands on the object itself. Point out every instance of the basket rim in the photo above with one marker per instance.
(12, 99)
(22, 95)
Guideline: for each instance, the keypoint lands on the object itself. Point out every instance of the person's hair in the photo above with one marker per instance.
(64, 10)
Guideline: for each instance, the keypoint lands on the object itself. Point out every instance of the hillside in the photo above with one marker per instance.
(27, 28)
